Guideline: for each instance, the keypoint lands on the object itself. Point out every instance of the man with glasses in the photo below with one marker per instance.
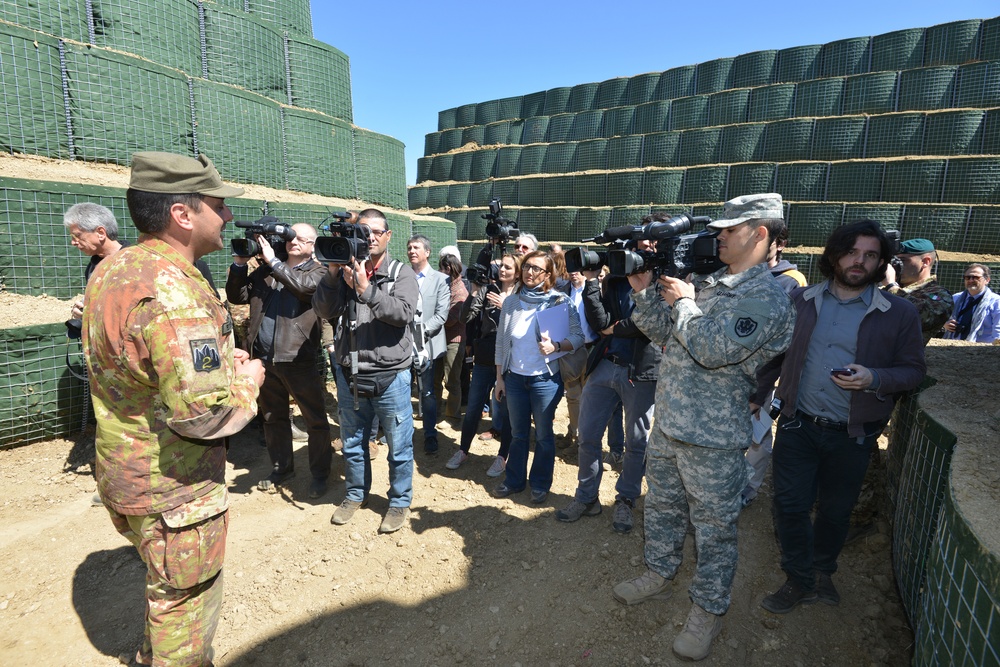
(284, 333)
(976, 316)
(525, 243)
(371, 302)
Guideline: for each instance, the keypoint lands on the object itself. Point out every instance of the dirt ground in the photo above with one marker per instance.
(472, 579)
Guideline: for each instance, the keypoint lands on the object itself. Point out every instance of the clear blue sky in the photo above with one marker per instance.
(410, 60)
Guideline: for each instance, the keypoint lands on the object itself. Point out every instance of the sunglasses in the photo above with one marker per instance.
(523, 247)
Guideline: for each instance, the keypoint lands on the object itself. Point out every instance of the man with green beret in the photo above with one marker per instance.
(168, 386)
(919, 286)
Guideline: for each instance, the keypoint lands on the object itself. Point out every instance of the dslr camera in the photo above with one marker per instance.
(276, 232)
(348, 240)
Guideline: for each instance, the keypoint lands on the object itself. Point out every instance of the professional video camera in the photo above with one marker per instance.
(499, 230)
(276, 232)
(350, 241)
(581, 259)
(677, 254)
(896, 245)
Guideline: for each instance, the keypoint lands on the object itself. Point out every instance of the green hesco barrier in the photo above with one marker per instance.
(772, 102)
(496, 133)
(676, 82)
(533, 104)
(952, 43)
(590, 222)
(662, 186)
(754, 69)
(856, 180)
(641, 88)
(402, 229)
(652, 117)
(742, 143)
(440, 232)
(625, 152)
(557, 191)
(34, 118)
(787, 140)
(798, 63)
(245, 151)
(943, 225)
(581, 97)
(978, 85)
(989, 45)
(505, 190)
(821, 97)
(437, 196)
(689, 112)
(121, 104)
(954, 133)
(440, 169)
(532, 158)
(245, 52)
(729, 107)
(845, 57)
(890, 216)
(62, 18)
(811, 224)
(839, 138)
(895, 134)
(982, 236)
(447, 119)
(700, 146)
(927, 88)
(461, 166)
(560, 127)
(480, 193)
(556, 100)
(587, 125)
(531, 191)
(749, 178)
(611, 93)
(40, 398)
(898, 50)
(535, 129)
(289, 14)
(618, 121)
(660, 149)
(465, 115)
(380, 168)
(913, 180)
(458, 194)
(483, 164)
(451, 139)
(712, 76)
(870, 93)
(432, 144)
(559, 158)
(973, 181)
(624, 188)
(991, 132)
(488, 112)
(514, 132)
(592, 154)
(166, 32)
(319, 77)
(416, 197)
(319, 154)
(590, 190)
(424, 165)
(704, 184)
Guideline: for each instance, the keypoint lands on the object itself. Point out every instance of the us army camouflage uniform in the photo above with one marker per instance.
(160, 354)
(933, 303)
(701, 425)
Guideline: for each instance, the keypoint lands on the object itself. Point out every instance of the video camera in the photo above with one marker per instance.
(499, 230)
(677, 253)
(894, 242)
(276, 232)
(349, 241)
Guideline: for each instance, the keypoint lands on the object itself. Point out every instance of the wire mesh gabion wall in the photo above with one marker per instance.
(905, 124)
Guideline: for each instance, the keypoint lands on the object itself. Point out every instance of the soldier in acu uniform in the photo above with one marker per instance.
(715, 331)
(168, 387)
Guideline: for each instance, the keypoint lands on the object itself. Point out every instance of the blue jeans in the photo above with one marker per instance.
(483, 379)
(396, 416)
(428, 407)
(608, 385)
(810, 462)
(531, 396)
(616, 431)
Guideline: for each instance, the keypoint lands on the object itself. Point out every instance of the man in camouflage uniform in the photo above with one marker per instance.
(715, 331)
(168, 387)
(919, 286)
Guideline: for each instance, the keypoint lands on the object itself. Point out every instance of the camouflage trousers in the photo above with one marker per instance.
(183, 586)
(700, 485)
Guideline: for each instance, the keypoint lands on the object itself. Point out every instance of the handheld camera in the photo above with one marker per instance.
(348, 241)
(276, 232)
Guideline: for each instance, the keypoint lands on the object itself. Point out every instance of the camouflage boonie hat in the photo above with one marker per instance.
(749, 207)
(169, 173)
(916, 247)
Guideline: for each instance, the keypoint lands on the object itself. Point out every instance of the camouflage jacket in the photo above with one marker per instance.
(933, 303)
(160, 356)
(712, 348)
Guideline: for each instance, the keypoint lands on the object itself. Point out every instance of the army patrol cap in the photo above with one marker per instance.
(916, 247)
(169, 173)
(749, 207)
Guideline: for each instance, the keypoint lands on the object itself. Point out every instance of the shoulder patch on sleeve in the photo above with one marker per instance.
(748, 321)
(205, 355)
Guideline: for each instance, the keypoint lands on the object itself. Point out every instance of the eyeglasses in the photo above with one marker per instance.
(973, 277)
(380, 232)
(523, 247)
(531, 268)
(306, 242)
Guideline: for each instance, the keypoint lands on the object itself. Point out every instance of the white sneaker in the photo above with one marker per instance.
(499, 465)
(695, 640)
(457, 459)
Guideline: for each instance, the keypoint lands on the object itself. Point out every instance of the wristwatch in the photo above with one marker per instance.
(558, 346)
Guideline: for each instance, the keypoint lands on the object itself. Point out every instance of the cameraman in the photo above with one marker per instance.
(284, 333)
(716, 331)
(373, 300)
(622, 369)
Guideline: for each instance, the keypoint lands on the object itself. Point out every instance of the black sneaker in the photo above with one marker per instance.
(317, 488)
(826, 592)
(788, 597)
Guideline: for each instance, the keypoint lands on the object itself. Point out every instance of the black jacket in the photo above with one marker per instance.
(602, 308)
